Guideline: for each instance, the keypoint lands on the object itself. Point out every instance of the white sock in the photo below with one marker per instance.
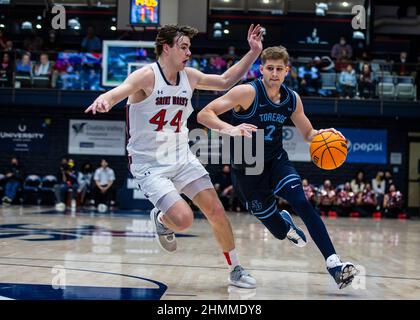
(333, 260)
(231, 259)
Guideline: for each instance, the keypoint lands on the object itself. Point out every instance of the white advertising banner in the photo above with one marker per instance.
(297, 148)
(97, 137)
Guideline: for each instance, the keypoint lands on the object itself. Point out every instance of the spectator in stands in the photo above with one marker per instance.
(310, 192)
(84, 180)
(337, 49)
(366, 201)
(104, 178)
(6, 70)
(223, 186)
(393, 202)
(24, 66)
(326, 198)
(348, 82)
(417, 79)
(342, 62)
(3, 41)
(309, 79)
(67, 180)
(366, 82)
(52, 43)
(33, 42)
(365, 58)
(388, 180)
(91, 43)
(292, 79)
(14, 179)
(9, 46)
(401, 67)
(346, 200)
(378, 186)
(44, 66)
(358, 183)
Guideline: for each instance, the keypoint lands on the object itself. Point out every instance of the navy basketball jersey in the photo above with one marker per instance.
(268, 115)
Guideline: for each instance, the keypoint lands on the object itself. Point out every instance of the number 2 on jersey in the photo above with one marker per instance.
(159, 120)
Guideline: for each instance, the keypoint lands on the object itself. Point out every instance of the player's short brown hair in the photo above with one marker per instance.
(275, 53)
(168, 33)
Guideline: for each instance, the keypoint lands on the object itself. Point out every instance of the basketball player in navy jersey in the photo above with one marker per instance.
(159, 104)
(266, 103)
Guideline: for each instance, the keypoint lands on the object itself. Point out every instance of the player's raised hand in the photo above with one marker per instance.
(99, 105)
(244, 129)
(332, 130)
(254, 37)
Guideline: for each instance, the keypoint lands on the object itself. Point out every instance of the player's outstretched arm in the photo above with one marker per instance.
(303, 124)
(240, 96)
(231, 76)
(134, 82)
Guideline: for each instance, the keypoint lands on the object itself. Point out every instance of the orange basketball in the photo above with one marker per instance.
(328, 150)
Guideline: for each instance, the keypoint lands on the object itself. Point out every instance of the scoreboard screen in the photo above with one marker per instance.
(144, 12)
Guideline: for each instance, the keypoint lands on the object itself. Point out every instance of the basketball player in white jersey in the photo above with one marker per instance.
(159, 104)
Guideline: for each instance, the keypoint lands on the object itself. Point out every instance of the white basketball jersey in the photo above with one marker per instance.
(157, 126)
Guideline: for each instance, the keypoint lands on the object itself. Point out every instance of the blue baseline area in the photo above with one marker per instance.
(20, 291)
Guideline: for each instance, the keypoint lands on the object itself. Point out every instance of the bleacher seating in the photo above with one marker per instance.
(31, 188)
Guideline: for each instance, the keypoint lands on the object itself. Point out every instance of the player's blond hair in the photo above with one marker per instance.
(168, 33)
(275, 53)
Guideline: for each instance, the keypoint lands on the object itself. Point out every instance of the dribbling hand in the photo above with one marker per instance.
(332, 130)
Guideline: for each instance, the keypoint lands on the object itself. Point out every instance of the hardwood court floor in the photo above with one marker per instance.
(45, 255)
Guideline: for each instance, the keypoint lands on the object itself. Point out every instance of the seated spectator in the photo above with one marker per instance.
(378, 186)
(393, 202)
(366, 201)
(358, 183)
(326, 198)
(337, 49)
(52, 43)
(223, 186)
(44, 66)
(104, 178)
(366, 82)
(9, 46)
(291, 79)
(91, 43)
(388, 180)
(67, 180)
(310, 192)
(84, 180)
(14, 179)
(347, 82)
(33, 42)
(342, 63)
(309, 79)
(346, 200)
(24, 66)
(365, 58)
(401, 66)
(6, 70)
(3, 41)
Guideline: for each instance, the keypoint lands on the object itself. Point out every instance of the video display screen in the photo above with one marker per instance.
(144, 12)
